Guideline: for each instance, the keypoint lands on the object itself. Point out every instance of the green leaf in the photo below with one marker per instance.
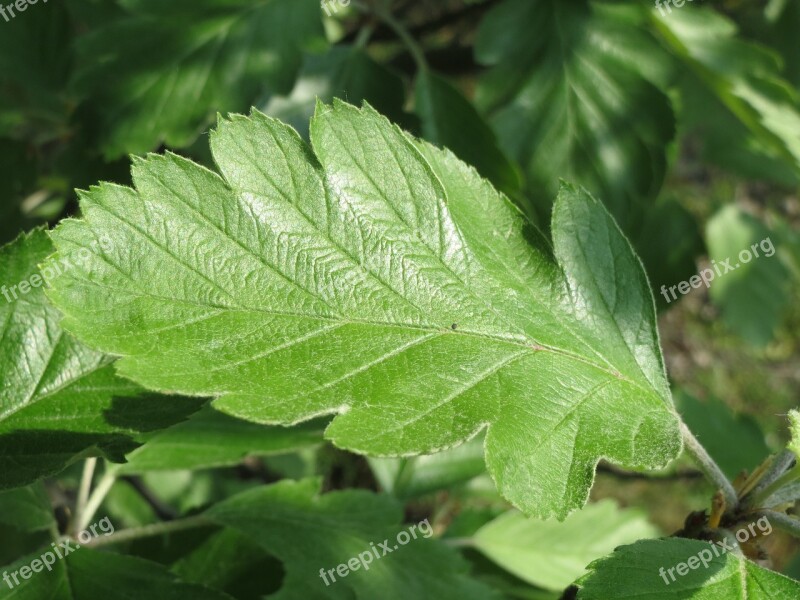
(90, 574)
(566, 100)
(159, 73)
(755, 294)
(745, 78)
(59, 400)
(27, 509)
(633, 569)
(552, 555)
(213, 439)
(334, 528)
(715, 425)
(344, 72)
(438, 308)
(450, 120)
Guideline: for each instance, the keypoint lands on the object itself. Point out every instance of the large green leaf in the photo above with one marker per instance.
(59, 400)
(384, 281)
(566, 100)
(634, 571)
(338, 528)
(84, 574)
(552, 555)
(159, 73)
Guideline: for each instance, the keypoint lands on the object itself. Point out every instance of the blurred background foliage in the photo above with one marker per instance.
(686, 124)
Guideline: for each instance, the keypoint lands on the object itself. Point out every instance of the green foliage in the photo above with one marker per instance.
(274, 344)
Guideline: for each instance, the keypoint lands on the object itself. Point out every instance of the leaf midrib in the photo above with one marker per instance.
(532, 348)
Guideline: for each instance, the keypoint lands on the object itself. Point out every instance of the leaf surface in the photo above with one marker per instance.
(382, 280)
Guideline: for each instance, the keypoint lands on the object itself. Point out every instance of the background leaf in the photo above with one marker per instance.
(552, 555)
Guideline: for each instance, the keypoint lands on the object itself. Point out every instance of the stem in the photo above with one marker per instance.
(783, 522)
(83, 492)
(408, 40)
(709, 467)
(787, 478)
(96, 499)
(127, 535)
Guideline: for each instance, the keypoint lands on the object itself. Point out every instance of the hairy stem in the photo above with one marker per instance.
(783, 522)
(709, 467)
(127, 535)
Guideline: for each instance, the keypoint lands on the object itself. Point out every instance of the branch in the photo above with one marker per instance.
(162, 510)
